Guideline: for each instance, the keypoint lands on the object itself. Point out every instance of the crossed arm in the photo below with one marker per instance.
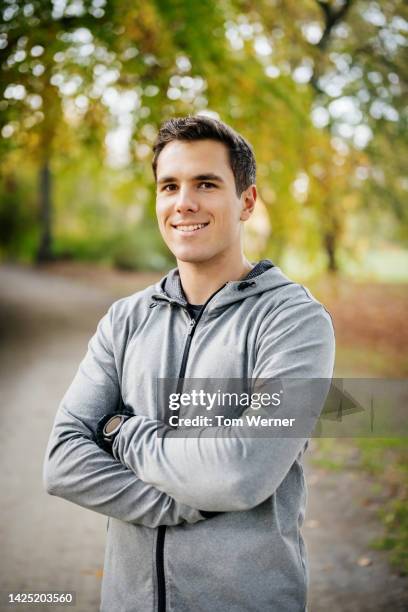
(157, 480)
(223, 471)
(76, 469)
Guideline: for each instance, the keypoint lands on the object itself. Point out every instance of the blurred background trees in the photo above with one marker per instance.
(317, 87)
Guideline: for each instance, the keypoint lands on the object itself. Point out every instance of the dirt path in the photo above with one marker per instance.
(49, 544)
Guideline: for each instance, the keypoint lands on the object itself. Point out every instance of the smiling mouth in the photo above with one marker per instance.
(191, 228)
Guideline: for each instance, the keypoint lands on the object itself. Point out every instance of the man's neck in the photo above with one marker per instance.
(201, 280)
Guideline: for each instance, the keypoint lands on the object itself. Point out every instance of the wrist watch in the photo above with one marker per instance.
(112, 427)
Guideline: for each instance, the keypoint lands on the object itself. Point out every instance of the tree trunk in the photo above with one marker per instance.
(44, 252)
(9, 214)
(330, 246)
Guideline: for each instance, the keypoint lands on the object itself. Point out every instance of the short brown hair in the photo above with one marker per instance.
(200, 127)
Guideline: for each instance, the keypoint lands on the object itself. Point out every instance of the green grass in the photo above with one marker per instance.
(384, 455)
(387, 460)
(330, 454)
(386, 263)
(395, 518)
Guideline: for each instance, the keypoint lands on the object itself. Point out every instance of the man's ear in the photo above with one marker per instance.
(248, 199)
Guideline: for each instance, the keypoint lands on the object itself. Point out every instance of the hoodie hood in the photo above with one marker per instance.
(264, 276)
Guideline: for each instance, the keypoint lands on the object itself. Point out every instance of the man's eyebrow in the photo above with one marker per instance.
(166, 179)
(210, 176)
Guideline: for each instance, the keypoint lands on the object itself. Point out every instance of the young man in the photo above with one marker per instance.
(207, 522)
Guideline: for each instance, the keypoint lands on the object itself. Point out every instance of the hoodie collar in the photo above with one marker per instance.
(171, 290)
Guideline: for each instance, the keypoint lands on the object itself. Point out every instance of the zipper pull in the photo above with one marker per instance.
(192, 325)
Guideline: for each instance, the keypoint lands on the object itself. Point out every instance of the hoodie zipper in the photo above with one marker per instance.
(161, 578)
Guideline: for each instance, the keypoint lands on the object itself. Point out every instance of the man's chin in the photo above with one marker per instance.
(193, 258)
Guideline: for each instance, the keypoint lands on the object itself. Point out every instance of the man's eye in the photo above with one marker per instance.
(171, 185)
(207, 184)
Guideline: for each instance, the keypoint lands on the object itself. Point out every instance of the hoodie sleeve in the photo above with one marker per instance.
(76, 469)
(220, 470)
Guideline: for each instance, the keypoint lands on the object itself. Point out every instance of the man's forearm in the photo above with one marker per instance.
(76, 469)
(213, 473)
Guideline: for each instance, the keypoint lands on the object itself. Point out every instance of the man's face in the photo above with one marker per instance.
(198, 210)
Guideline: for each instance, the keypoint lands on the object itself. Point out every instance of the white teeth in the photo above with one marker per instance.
(190, 228)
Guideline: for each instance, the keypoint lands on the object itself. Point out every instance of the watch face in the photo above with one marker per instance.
(112, 425)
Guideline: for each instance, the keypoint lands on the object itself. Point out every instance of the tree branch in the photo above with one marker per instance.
(331, 18)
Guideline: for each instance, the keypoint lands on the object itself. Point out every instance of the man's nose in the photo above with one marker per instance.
(186, 201)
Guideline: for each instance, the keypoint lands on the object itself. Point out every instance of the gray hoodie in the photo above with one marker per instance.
(203, 523)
